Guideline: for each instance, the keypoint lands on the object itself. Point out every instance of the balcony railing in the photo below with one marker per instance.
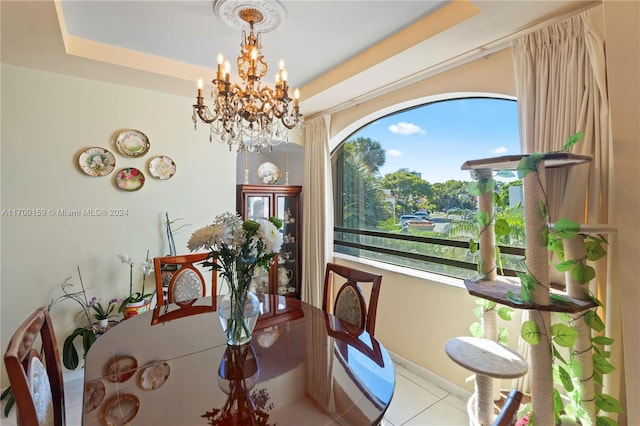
(438, 255)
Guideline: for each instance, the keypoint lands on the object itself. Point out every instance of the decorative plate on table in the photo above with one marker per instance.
(154, 376)
(162, 167)
(132, 143)
(120, 369)
(93, 395)
(130, 179)
(268, 173)
(97, 161)
(121, 409)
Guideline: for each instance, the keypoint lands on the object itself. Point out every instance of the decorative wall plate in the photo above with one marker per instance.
(121, 409)
(132, 143)
(97, 161)
(154, 376)
(268, 173)
(120, 369)
(162, 167)
(93, 395)
(130, 179)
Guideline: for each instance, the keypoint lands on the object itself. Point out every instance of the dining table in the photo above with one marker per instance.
(172, 366)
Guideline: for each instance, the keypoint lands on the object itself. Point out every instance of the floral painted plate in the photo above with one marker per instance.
(121, 409)
(97, 161)
(162, 167)
(93, 395)
(130, 179)
(132, 143)
(268, 173)
(154, 376)
(120, 369)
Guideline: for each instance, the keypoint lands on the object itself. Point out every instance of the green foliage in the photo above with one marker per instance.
(593, 320)
(409, 189)
(582, 273)
(483, 218)
(481, 186)
(572, 140)
(566, 229)
(502, 228)
(563, 335)
(529, 164)
(601, 364)
(594, 250)
(69, 354)
(367, 151)
(605, 421)
(505, 313)
(608, 403)
(602, 340)
(363, 200)
(530, 332)
(561, 375)
(11, 400)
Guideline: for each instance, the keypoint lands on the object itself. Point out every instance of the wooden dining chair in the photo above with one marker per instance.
(349, 303)
(178, 279)
(36, 376)
(507, 415)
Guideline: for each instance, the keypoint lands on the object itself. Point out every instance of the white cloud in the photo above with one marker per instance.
(394, 153)
(500, 150)
(403, 128)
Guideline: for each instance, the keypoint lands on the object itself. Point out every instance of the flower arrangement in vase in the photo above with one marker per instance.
(137, 302)
(236, 248)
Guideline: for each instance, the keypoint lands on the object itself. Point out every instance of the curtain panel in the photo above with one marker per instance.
(561, 88)
(317, 209)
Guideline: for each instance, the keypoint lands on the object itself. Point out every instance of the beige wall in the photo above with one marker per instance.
(622, 31)
(47, 120)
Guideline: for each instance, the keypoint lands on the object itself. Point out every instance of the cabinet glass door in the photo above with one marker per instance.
(258, 207)
(288, 267)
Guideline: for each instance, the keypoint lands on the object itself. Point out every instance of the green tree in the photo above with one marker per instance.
(452, 194)
(370, 152)
(363, 200)
(410, 190)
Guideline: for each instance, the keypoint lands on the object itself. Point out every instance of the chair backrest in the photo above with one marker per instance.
(178, 278)
(36, 375)
(349, 303)
(510, 409)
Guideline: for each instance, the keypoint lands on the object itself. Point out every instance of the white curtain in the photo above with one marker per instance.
(317, 209)
(561, 89)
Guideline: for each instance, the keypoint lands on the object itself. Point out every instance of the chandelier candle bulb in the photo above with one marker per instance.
(220, 62)
(199, 89)
(296, 97)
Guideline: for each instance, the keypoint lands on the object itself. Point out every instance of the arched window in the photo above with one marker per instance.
(401, 197)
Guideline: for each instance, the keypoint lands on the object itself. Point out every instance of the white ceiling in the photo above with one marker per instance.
(337, 52)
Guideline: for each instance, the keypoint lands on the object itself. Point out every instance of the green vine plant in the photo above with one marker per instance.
(562, 335)
(504, 312)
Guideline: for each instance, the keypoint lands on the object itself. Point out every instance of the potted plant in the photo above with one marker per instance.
(139, 301)
(103, 313)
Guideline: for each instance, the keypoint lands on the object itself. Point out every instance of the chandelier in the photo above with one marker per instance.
(250, 115)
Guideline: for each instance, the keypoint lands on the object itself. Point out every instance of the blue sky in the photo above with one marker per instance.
(438, 138)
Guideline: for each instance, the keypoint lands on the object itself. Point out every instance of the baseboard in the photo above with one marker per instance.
(431, 377)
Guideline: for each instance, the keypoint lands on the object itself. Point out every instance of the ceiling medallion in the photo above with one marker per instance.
(250, 115)
(230, 12)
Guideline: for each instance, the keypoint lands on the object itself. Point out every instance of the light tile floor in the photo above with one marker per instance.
(416, 402)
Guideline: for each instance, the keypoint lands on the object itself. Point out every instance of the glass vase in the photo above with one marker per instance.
(238, 312)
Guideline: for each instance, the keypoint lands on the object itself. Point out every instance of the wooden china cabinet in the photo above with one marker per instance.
(283, 202)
